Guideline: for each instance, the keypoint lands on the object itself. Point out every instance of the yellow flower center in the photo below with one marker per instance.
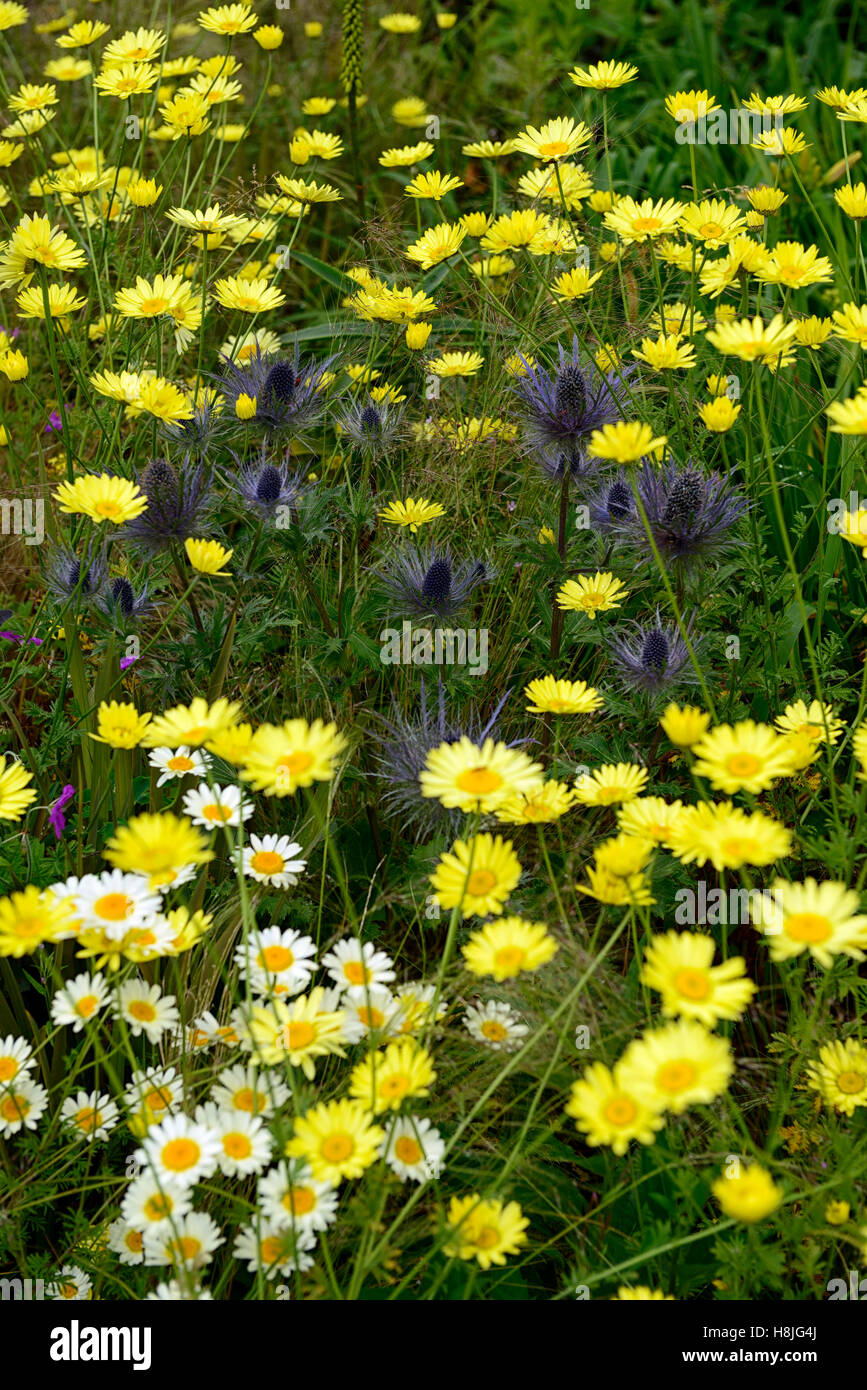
(186, 1248)
(675, 1076)
(14, 1108)
(299, 1201)
(487, 1237)
(113, 906)
(850, 1082)
(408, 1150)
(356, 973)
(157, 304)
(276, 959)
(267, 862)
(493, 1031)
(480, 882)
(237, 1146)
(479, 781)
(298, 1035)
(142, 1010)
(214, 811)
(87, 1118)
(249, 1100)
(180, 763)
(8, 1068)
(693, 983)
(509, 958)
(396, 1085)
(179, 1155)
(371, 1018)
(158, 1099)
(808, 926)
(710, 230)
(158, 1207)
(85, 1008)
(337, 1147)
(134, 1241)
(553, 149)
(29, 926)
(743, 764)
(271, 1250)
(107, 508)
(646, 224)
(620, 1110)
(295, 763)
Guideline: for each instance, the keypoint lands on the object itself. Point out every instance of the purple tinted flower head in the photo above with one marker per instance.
(265, 485)
(68, 575)
(373, 426)
(691, 514)
(178, 499)
(564, 405)
(612, 506)
(287, 390)
(400, 748)
(653, 656)
(432, 583)
(121, 604)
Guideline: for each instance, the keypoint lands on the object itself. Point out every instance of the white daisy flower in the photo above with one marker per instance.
(355, 966)
(215, 806)
(16, 1056)
(149, 1204)
(207, 1031)
(284, 958)
(113, 902)
(496, 1025)
(157, 1090)
(126, 1242)
(252, 1090)
(414, 1150)
(414, 1002)
(373, 1010)
(90, 1115)
(188, 1242)
(336, 1001)
(245, 1144)
(79, 1001)
(22, 1103)
(178, 762)
(272, 859)
(274, 1249)
(71, 1285)
(179, 1150)
(288, 1196)
(145, 1009)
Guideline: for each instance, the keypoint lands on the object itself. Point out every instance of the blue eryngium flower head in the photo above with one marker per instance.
(120, 602)
(430, 582)
(563, 406)
(653, 656)
(372, 426)
(692, 515)
(68, 574)
(287, 391)
(612, 506)
(266, 485)
(178, 498)
(400, 748)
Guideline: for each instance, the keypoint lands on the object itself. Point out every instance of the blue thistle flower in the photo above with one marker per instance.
(613, 506)
(431, 583)
(67, 574)
(400, 748)
(286, 390)
(562, 407)
(178, 499)
(373, 426)
(265, 485)
(120, 603)
(691, 515)
(653, 656)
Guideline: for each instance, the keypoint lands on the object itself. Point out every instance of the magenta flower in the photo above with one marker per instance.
(55, 814)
